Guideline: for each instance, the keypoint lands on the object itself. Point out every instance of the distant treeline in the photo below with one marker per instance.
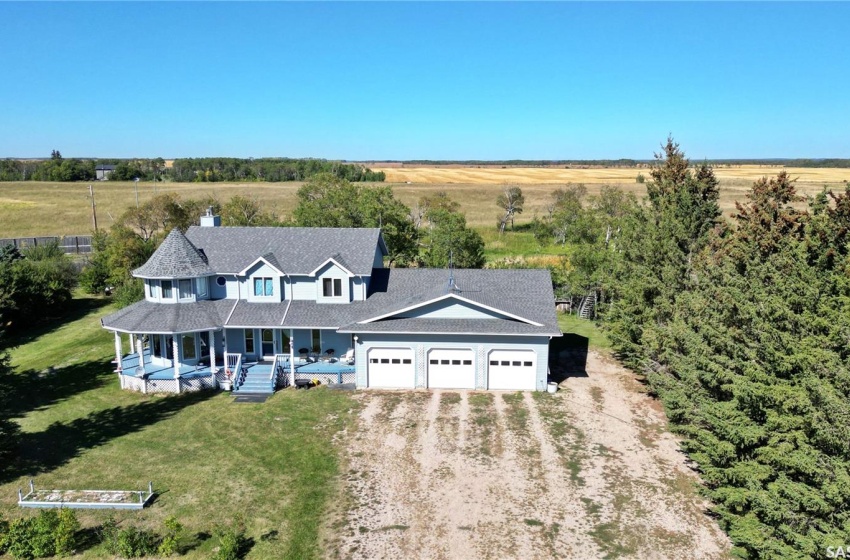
(58, 168)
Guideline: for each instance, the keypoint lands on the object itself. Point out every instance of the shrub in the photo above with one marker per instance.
(19, 542)
(133, 542)
(65, 534)
(231, 542)
(42, 534)
(129, 542)
(640, 178)
(171, 540)
(4, 531)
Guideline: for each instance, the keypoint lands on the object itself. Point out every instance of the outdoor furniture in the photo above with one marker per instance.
(303, 352)
(348, 357)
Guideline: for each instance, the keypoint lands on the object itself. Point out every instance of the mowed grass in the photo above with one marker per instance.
(272, 466)
(573, 325)
(43, 208)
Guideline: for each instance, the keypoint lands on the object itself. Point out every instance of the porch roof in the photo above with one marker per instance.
(150, 317)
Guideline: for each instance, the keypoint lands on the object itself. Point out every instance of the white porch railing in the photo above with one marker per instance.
(233, 368)
(278, 359)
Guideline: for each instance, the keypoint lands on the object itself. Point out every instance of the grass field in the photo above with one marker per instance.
(212, 462)
(30, 208)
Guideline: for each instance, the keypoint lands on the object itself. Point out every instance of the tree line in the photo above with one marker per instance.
(203, 170)
(741, 329)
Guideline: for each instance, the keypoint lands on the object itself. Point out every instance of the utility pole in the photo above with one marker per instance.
(93, 208)
(136, 183)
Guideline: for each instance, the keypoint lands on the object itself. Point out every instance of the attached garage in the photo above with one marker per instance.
(391, 368)
(451, 369)
(512, 370)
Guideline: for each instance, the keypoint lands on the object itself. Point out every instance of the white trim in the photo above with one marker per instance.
(444, 333)
(321, 266)
(232, 309)
(447, 296)
(250, 266)
(285, 312)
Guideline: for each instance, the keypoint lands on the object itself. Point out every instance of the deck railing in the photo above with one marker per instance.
(233, 366)
(279, 359)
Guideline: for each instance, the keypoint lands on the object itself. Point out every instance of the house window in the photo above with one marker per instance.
(202, 287)
(169, 348)
(157, 346)
(166, 289)
(189, 347)
(317, 340)
(332, 287)
(263, 287)
(185, 289)
(221, 281)
(249, 341)
(152, 289)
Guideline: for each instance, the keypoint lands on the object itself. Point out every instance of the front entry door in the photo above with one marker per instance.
(268, 343)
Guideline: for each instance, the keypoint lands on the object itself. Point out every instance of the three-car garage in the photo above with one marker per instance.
(452, 368)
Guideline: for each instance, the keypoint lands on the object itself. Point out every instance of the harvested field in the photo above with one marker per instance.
(607, 175)
(589, 472)
(42, 208)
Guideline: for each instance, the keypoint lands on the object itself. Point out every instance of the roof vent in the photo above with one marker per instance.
(209, 220)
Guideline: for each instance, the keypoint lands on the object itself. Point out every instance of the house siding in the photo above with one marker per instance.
(333, 272)
(261, 270)
(450, 309)
(480, 345)
(303, 287)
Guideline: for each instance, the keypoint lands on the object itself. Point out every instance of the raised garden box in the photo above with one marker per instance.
(86, 499)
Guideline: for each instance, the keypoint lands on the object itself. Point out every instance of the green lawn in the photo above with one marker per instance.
(574, 327)
(272, 465)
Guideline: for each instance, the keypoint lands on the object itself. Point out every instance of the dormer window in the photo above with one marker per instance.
(185, 289)
(152, 288)
(263, 287)
(332, 287)
(166, 289)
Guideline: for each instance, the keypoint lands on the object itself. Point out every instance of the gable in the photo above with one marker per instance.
(451, 309)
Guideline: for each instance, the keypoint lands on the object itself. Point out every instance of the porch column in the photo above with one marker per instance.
(132, 342)
(212, 358)
(118, 364)
(292, 357)
(174, 348)
(140, 351)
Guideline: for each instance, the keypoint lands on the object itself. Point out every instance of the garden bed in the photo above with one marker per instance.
(86, 499)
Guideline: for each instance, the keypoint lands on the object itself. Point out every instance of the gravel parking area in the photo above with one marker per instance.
(589, 472)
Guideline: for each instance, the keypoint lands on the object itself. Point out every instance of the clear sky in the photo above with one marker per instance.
(364, 81)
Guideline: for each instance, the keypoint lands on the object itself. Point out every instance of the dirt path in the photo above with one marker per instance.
(587, 473)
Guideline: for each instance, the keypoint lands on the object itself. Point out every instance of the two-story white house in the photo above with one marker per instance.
(257, 307)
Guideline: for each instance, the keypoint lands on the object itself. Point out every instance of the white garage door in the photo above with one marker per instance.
(451, 369)
(513, 370)
(391, 368)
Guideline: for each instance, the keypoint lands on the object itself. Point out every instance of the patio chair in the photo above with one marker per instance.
(303, 352)
(348, 357)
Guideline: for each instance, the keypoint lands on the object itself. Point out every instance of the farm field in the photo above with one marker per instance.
(32, 208)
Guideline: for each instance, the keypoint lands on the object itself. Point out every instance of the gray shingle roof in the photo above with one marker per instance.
(307, 314)
(230, 250)
(176, 257)
(525, 293)
(250, 314)
(150, 317)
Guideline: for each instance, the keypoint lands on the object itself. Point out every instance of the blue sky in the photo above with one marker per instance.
(365, 81)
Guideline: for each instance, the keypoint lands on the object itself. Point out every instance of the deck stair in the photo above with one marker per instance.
(588, 306)
(256, 380)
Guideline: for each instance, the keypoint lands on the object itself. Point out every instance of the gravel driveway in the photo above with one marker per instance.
(589, 472)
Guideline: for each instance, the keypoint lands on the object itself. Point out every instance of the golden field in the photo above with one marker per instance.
(560, 175)
(33, 208)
